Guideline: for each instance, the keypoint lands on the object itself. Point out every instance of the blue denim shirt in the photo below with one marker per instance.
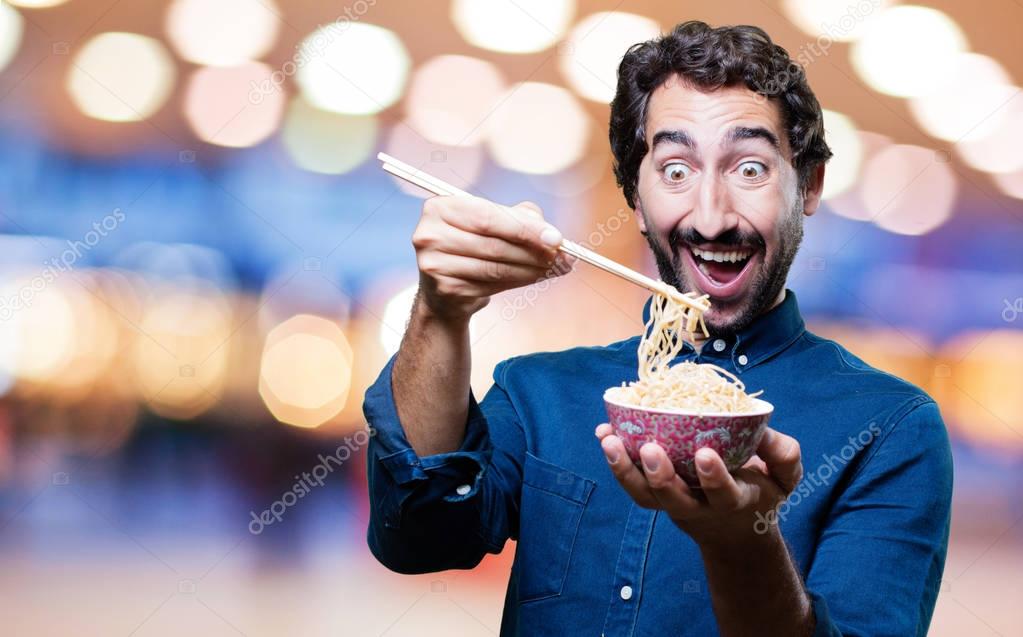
(867, 527)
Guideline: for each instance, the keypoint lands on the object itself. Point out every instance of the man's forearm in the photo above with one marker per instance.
(755, 588)
(430, 381)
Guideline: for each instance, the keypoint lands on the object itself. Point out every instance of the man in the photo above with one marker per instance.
(719, 148)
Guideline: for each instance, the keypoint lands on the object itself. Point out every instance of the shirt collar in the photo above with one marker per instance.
(768, 335)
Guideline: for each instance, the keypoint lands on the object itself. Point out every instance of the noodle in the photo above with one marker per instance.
(690, 386)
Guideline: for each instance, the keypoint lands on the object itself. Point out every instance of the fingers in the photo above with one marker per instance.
(670, 491)
(656, 486)
(627, 474)
(756, 464)
(783, 458)
(482, 217)
(456, 241)
(530, 208)
(722, 491)
(490, 275)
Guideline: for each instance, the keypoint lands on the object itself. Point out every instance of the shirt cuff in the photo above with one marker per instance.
(408, 478)
(823, 626)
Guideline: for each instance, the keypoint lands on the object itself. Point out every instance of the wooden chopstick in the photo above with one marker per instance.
(441, 188)
(422, 179)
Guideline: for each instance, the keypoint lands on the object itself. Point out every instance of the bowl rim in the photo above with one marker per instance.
(764, 408)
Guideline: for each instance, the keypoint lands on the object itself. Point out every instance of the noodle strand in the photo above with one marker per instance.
(690, 386)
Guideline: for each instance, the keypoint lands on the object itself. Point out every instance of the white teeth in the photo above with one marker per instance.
(721, 257)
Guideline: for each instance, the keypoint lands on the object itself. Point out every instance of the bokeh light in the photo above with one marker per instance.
(578, 179)
(999, 150)
(36, 4)
(324, 142)
(849, 203)
(593, 50)
(300, 287)
(98, 338)
(967, 102)
(306, 370)
(356, 69)
(220, 108)
(983, 394)
(457, 165)
(94, 344)
(59, 336)
(522, 26)
(39, 337)
(222, 32)
(1010, 183)
(121, 77)
(395, 318)
(892, 62)
(180, 263)
(539, 128)
(909, 189)
(844, 167)
(12, 26)
(837, 20)
(182, 350)
(450, 98)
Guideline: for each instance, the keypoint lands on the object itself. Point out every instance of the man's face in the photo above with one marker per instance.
(719, 199)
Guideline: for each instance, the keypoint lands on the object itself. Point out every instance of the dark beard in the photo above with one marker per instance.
(767, 283)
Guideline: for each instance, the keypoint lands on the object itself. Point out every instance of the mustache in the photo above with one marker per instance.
(733, 237)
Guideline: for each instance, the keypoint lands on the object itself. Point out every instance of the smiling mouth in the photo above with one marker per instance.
(721, 267)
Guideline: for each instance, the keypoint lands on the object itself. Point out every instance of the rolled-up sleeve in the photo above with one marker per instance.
(878, 564)
(446, 510)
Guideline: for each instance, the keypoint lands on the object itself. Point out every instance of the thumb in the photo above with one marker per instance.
(782, 455)
(530, 208)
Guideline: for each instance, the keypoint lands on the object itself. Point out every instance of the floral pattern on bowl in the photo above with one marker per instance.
(735, 437)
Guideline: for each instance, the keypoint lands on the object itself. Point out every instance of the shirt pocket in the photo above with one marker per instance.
(553, 501)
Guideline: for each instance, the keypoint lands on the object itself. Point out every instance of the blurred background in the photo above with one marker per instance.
(203, 268)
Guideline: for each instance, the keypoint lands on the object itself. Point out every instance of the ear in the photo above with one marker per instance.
(813, 190)
(640, 219)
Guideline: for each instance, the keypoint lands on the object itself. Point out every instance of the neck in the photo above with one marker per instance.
(777, 301)
(698, 339)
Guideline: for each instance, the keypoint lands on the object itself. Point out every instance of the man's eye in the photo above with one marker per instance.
(752, 169)
(676, 172)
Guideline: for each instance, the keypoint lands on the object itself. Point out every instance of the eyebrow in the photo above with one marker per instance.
(676, 136)
(740, 133)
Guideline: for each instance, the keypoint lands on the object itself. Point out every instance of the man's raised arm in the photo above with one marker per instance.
(426, 462)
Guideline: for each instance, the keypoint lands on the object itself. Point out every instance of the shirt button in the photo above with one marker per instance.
(626, 593)
(743, 359)
(463, 489)
(719, 345)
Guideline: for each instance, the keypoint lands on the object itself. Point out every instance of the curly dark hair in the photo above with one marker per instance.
(711, 58)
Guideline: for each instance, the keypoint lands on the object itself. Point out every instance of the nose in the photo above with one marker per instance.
(713, 213)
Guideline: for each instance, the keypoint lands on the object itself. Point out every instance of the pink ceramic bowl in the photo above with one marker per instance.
(734, 437)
